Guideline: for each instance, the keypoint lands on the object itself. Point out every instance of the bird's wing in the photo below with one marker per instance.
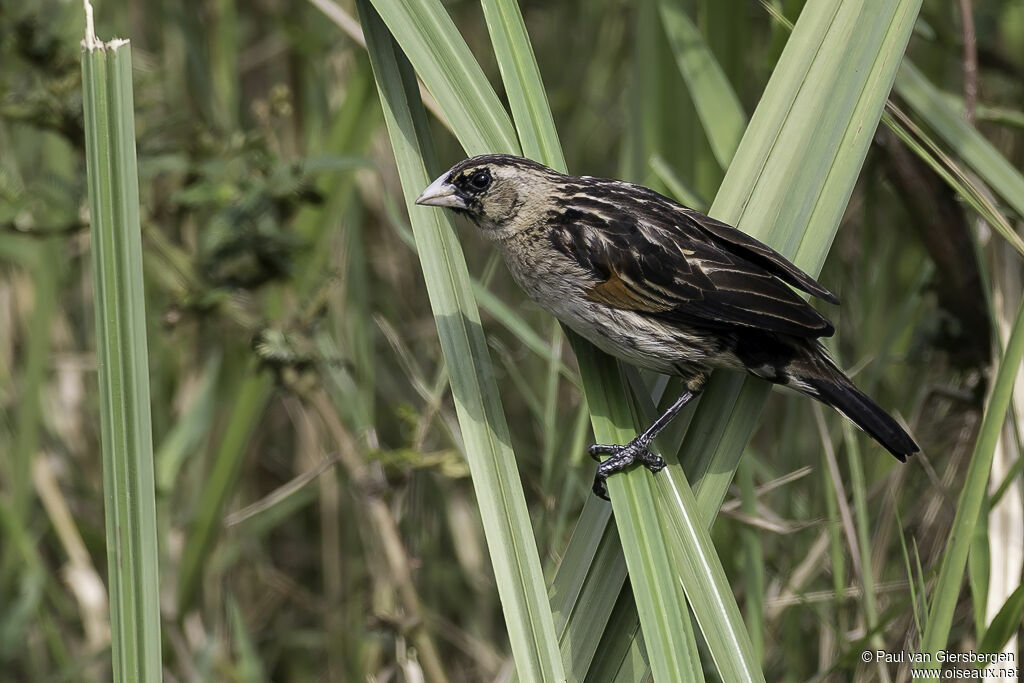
(740, 243)
(679, 275)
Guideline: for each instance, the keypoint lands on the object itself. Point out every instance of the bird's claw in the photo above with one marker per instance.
(599, 449)
(654, 463)
(621, 458)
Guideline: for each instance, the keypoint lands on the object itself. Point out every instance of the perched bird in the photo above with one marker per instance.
(658, 285)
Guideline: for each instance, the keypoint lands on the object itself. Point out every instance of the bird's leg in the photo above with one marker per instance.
(636, 450)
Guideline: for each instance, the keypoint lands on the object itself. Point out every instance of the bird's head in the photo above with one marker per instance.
(497, 191)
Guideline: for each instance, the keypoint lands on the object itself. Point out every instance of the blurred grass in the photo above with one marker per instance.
(314, 518)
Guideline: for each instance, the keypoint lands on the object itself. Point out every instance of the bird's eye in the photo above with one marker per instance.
(480, 180)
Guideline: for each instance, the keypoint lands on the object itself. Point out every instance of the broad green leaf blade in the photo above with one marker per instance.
(442, 59)
(123, 359)
(715, 441)
(703, 578)
(523, 85)
(620, 656)
(700, 573)
(667, 629)
(942, 111)
(589, 582)
(717, 105)
(954, 560)
(485, 434)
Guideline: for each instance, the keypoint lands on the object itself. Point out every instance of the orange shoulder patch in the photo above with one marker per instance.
(616, 293)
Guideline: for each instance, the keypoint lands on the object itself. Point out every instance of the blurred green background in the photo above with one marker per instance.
(315, 514)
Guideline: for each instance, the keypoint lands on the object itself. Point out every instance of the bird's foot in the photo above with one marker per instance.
(637, 450)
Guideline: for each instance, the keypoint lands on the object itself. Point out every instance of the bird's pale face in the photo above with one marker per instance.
(496, 191)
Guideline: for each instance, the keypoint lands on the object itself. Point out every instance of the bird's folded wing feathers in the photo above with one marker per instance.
(685, 277)
(761, 254)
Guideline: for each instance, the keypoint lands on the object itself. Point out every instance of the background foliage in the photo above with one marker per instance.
(316, 516)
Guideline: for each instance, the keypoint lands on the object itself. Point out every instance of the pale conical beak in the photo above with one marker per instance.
(441, 193)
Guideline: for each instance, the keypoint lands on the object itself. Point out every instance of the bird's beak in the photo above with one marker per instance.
(441, 193)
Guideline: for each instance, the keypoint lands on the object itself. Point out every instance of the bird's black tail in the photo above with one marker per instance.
(836, 390)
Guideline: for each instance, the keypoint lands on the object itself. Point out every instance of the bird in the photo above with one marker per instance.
(658, 285)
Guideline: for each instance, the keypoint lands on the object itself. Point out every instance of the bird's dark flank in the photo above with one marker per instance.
(658, 285)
